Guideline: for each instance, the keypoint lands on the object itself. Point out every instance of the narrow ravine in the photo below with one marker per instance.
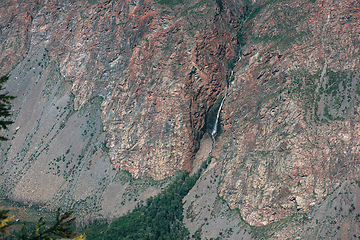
(214, 131)
(207, 144)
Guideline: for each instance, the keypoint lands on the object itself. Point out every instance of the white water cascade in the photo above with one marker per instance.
(207, 147)
(214, 131)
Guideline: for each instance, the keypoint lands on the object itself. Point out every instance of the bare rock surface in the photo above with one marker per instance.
(103, 87)
(291, 118)
(156, 75)
(56, 156)
(114, 88)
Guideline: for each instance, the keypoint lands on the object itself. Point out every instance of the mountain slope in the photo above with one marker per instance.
(115, 85)
(134, 85)
(291, 120)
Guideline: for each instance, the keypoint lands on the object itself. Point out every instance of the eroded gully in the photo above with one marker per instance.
(207, 144)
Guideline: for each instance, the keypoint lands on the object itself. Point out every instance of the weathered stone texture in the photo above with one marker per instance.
(157, 78)
(290, 122)
(292, 111)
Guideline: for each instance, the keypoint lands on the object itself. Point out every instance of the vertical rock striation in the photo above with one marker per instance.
(133, 78)
(129, 85)
(292, 111)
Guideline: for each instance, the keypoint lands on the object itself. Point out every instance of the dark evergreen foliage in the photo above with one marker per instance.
(5, 221)
(160, 218)
(5, 99)
(41, 231)
(61, 228)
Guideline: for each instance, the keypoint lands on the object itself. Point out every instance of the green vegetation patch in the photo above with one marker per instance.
(286, 18)
(169, 2)
(328, 97)
(303, 85)
(92, 2)
(161, 217)
(256, 8)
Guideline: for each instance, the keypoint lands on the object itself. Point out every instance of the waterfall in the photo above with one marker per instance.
(214, 131)
(218, 115)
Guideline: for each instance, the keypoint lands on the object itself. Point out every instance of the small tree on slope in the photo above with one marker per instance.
(40, 232)
(5, 99)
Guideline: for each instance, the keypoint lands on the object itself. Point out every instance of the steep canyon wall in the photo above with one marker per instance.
(291, 119)
(115, 85)
(129, 85)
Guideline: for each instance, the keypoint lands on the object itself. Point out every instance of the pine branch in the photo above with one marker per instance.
(5, 107)
(60, 228)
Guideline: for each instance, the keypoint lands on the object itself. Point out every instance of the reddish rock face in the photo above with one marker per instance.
(290, 120)
(158, 70)
(292, 111)
(16, 20)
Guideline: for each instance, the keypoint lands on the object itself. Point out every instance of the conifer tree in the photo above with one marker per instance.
(5, 99)
(5, 221)
(61, 228)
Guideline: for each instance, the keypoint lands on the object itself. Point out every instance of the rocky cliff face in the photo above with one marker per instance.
(130, 81)
(291, 119)
(158, 71)
(131, 85)
(16, 23)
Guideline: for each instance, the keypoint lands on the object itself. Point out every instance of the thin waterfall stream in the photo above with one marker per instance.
(207, 146)
(214, 131)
